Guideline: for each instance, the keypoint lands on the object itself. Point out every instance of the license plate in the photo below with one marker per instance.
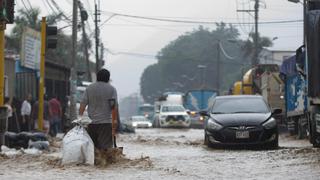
(242, 134)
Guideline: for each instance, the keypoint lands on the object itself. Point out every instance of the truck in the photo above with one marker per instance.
(263, 79)
(169, 111)
(308, 65)
(196, 101)
(295, 98)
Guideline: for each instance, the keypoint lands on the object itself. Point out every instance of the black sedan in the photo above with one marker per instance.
(237, 120)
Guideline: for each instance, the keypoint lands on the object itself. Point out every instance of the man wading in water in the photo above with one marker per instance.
(101, 99)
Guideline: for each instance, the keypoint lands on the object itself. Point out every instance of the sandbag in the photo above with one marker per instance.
(77, 147)
(40, 145)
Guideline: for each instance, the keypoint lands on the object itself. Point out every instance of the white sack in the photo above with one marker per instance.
(77, 147)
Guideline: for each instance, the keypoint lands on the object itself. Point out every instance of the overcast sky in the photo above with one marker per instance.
(144, 38)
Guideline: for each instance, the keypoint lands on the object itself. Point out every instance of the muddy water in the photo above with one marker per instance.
(177, 154)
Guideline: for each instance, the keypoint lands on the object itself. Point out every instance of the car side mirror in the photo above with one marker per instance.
(276, 111)
(204, 113)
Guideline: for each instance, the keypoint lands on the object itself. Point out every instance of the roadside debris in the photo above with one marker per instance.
(77, 146)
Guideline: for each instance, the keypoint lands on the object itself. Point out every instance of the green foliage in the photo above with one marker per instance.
(248, 46)
(61, 55)
(177, 67)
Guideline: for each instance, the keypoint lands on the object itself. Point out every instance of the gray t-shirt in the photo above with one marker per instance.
(97, 97)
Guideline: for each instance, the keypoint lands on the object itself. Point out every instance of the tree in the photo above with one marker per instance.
(28, 18)
(177, 67)
(249, 47)
(61, 55)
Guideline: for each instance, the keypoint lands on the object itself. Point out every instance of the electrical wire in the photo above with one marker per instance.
(52, 9)
(30, 5)
(224, 52)
(60, 11)
(199, 22)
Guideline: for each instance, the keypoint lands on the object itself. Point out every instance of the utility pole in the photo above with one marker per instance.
(256, 33)
(96, 15)
(84, 17)
(73, 71)
(102, 55)
(2, 29)
(218, 66)
(42, 73)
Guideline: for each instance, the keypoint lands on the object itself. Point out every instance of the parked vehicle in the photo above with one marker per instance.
(140, 122)
(307, 62)
(146, 110)
(264, 80)
(295, 98)
(168, 98)
(196, 101)
(173, 116)
(241, 120)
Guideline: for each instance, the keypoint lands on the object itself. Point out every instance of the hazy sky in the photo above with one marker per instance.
(146, 37)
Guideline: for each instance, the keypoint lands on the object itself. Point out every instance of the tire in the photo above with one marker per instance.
(302, 130)
(273, 144)
(313, 133)
(207, 141)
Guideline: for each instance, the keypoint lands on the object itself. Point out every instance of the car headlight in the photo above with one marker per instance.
(213, 125)
(134, 124)
(271, 123)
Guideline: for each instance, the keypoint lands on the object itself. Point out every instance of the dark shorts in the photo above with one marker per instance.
(101, 135)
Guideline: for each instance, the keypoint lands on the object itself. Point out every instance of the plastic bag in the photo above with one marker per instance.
(77, 147)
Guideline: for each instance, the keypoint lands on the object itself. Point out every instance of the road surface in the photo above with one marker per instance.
(176, 154)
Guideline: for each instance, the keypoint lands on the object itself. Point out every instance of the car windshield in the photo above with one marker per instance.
(239, 105)
(173, 109)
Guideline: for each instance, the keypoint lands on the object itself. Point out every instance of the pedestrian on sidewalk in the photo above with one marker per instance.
(7, 103)
(55, 115)
(101, 99)
(25, 113)
(46, 113)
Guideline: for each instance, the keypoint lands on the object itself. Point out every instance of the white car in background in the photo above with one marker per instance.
(140, 122)
(174, 116)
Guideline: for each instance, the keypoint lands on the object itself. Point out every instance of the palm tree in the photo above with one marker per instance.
(27, 18)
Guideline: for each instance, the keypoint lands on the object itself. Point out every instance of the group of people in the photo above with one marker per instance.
(26, 118)
(101, 100)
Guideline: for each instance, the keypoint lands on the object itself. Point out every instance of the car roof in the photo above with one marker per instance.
(240, 97)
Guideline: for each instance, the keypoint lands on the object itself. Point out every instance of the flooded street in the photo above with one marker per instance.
(177, 154)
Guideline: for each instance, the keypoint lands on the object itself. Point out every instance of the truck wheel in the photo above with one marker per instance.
(314, 140)
(302, 127)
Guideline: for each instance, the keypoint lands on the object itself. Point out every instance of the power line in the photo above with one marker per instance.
(54, 12)
(30, 4)
(28, 10)
(60, 11)
(199, 22)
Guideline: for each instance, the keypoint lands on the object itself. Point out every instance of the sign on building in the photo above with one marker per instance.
(30, 48)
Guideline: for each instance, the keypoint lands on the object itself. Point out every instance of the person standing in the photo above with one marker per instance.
(55, 115)
(7, 103)
(25, 113)
(101, 99)
(46, 113)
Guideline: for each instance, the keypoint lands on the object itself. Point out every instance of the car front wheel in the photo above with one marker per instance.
(273, 144)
